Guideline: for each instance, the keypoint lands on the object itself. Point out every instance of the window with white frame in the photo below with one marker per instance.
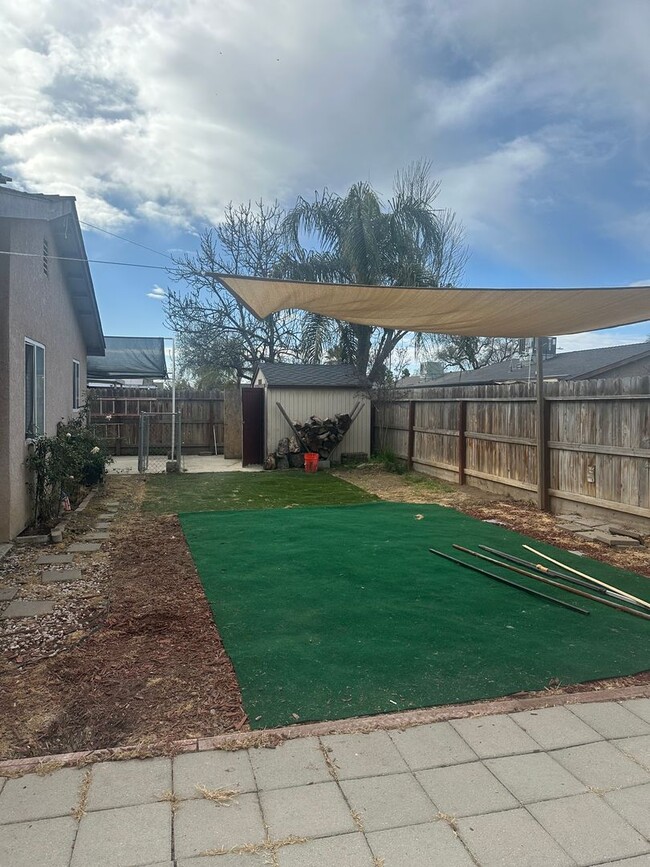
(76, 379)
(34, 389)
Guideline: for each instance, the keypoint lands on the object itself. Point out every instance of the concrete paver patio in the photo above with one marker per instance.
(532, 789)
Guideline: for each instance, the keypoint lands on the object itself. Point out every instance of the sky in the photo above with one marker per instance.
(156, 114)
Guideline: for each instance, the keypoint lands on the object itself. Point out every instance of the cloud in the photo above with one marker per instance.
(162, 113)
(158, 293)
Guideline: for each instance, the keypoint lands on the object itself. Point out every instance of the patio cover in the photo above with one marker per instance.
(129, 358)
(483, 312)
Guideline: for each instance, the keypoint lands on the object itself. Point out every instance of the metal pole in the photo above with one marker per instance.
(173, 398)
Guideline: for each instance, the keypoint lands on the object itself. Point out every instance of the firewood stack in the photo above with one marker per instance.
(321, 435)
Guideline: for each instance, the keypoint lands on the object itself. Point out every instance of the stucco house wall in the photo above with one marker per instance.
(40, 309)
(41, 302)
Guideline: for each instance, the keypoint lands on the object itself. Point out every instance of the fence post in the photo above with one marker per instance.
(462, 441)
(542, 434)
(411, 436)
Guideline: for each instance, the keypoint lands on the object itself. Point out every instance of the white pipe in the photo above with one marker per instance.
(173, 399)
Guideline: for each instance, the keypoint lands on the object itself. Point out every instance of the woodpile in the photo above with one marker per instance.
(320, 435)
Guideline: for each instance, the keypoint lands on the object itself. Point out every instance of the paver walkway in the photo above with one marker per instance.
(560, 786)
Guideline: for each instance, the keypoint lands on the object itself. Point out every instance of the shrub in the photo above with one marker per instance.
(62, 465)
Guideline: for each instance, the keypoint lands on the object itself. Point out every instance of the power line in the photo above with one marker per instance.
(78, 259)
(128, 240)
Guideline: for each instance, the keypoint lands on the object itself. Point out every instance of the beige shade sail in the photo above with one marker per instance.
(472, 312)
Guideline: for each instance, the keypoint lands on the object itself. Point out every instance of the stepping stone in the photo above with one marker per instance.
(7, 593)
(97, 536)
(63, 576)
(84, 547)
(106, 516)
(113, 503)
(103, 525)
(4, 549)
(54, 559)
(27, 608)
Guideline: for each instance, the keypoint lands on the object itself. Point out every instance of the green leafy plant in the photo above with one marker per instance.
(389, 461)
(61, 466)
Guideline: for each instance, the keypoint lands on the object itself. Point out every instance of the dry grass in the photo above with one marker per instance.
(80, 810)
(171, 798)
(377, 861)
(449, 819)
(358, 822)
(331, 767)
(223, 797)
(257, 848)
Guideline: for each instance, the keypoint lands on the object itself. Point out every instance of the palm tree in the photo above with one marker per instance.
(355, 239)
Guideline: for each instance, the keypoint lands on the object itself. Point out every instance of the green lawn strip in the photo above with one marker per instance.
(337, 612)
(217, 492)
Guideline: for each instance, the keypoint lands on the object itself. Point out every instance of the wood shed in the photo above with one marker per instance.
(306, 390)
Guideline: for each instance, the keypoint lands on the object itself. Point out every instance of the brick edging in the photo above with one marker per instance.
(354, 725)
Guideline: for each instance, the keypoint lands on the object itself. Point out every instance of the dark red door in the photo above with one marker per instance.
(252, 415)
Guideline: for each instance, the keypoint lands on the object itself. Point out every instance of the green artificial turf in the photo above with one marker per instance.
(216, 492)
(340, 611)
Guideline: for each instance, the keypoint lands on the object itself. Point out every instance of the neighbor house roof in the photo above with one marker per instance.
(128, 358)
(61, 214)
(310, 375)
(581, 364)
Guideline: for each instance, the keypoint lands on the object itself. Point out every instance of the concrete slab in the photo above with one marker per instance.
(534, 777)
(54, 559)
(203, 825)
(27, 608)
(40, 797)
(493, 736)
(29, 844)
(638, 748)
(589, 829)
(415, 846)
(350, 850)
(510, 838)
(602, 766)
(247, 860)
(84, 547)
(294, 763)
(640, 707)
(388, 801)
(115, 504)
(639, 861)
(126, 836)
(102, 537)
(7, 593)
(103, 525)
(306, 811)
(634, 806)
(125, 784)
(364, 755)
(611, 720)
(219, 769)
(60, 576)
(465, 790)
(555, 727)
(106, 516)
(432, 746)
(5, 548)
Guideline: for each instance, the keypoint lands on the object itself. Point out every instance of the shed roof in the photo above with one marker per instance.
(581, 364)
(311, 375)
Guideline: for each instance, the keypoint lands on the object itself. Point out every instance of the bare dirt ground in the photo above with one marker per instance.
(131, 655)
(152, 670)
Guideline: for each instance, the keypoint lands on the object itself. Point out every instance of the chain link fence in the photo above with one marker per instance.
(160, 441)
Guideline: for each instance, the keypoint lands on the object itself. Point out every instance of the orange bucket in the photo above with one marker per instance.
(311, 462)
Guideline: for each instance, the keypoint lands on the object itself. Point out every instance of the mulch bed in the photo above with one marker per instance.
(156, 671)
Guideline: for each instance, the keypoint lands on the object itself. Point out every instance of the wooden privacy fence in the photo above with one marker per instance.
(115, 415)
(595, 436)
